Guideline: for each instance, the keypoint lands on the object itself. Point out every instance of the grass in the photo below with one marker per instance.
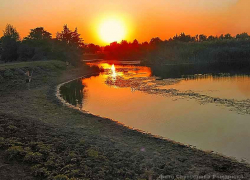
(31, 64)
(53, 141)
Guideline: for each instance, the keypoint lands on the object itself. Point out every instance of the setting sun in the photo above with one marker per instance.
(112, 30)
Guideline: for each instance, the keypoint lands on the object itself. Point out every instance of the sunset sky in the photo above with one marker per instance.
(142, 19)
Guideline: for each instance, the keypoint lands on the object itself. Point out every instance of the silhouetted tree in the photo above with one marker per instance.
(221, 37)
(92, 48)
(39, 34)
(135, 47)
(68, 45)
(11, 32)
(135, 42)
(211, 38)
(155, 41)
(183, 38)
(72, 38)
(145, 44)
(243, 36)
(37, 45)
(196, 38)
(202, 37)
(10, 42)
(228, 36)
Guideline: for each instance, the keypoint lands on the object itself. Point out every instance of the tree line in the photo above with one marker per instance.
(39, 45)
(183, 48)
(69, 46)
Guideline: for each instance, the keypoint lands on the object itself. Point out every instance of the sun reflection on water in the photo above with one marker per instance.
(113, 72)
(121, 71)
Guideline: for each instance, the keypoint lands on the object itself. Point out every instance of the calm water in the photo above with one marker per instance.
(129, 94)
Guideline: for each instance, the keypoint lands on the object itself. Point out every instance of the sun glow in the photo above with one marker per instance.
(111, 30)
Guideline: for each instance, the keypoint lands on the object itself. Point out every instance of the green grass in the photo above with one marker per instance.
(31, 64)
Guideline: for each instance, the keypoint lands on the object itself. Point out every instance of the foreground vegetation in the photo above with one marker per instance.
(48, 140)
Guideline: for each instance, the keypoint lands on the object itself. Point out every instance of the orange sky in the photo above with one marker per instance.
(144, 18)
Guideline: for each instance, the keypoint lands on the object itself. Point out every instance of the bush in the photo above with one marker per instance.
(12, 127)
(82, 142)
(13, 142)
(74, 172)
(92, 153)
(61, 177)
(39, 171)
(15, 152)
(8, 73)
(44, 149)
(33, 157)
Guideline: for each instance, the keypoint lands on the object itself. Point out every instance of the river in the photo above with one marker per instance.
(207, 111)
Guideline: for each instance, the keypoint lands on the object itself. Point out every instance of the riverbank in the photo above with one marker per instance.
(57, 142)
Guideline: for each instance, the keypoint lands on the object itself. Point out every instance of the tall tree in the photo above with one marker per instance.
(10, 41)
(69, 45)
(76, 39)
(39, 34)
(11, 32)
(37, 45)
(69, 37)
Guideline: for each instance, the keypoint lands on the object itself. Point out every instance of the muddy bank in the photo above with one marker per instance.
(57, 142)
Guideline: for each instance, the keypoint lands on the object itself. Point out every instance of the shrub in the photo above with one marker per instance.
(12, 127)
(44, 149)
(50, 164)
(74, 172)
(39, 171)
(92, 153)
(13, 142)
(72, 155)
(33, 157)
(15, 152)
(61, 177)
(8, 73)
(82, 142)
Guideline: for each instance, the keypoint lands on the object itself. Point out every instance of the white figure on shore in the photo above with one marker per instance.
(29, 76)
